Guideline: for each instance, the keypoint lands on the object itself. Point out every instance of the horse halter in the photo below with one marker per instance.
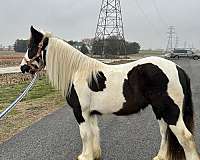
(38, 55)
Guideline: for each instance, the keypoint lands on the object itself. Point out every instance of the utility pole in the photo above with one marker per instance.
(185, 44)
(110, 25)
(176, 42)
(171, 33)
(192, 45)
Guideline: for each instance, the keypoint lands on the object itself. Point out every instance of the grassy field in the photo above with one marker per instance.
(41, 100)
(150, 53)
(10, 92)
(10, 53)
(6, 52)
(10, 58)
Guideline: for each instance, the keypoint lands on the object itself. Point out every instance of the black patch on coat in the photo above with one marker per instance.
(147, 84)
(73, 101)
(187, 103)
(44, 57)
(164, 107)
(99, 84)
(95, 113)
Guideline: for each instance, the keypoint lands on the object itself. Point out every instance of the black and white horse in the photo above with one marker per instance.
(93, 88)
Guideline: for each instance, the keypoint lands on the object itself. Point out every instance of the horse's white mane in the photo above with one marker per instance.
(64, 62)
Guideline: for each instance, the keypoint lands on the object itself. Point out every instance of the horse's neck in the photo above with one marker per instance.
(64, 62)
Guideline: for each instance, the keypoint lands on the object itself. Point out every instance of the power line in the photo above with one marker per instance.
(158, 13)
(146, 17)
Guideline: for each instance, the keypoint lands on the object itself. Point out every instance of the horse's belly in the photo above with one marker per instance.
(107, 104)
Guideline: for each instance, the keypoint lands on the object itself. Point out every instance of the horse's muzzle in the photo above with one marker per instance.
(27, 69)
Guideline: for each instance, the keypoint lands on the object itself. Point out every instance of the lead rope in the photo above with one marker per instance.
(19, 98)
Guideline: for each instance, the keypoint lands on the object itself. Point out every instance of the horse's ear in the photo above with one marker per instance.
(34, 32)
(36, 35)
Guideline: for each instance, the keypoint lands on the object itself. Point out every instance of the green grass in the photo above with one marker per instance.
(9, 93)
(41, 101)
(150, 52)
(42, 88)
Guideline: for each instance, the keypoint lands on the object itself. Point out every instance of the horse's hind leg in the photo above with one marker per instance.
(186, 140)
(162, 154)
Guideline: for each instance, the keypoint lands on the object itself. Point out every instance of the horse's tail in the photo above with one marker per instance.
(175, 150)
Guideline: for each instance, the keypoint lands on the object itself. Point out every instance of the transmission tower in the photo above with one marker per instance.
(171, 34)
(176, 41)
(110, 25)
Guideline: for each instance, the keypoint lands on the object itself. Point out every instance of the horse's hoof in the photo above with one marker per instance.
(80, 157)
(98, 156)
(199, 156)
(94, 159)
(157, 158)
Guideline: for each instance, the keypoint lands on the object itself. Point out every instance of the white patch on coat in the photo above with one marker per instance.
(25, 57)
(86, 136)
(111, 98)
(162, 154)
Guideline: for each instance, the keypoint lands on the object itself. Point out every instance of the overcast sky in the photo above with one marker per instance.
(145, 21)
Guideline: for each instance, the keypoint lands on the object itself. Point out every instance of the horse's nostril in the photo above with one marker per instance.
(22, 69)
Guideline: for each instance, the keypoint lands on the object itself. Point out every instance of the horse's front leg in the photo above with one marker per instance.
(87, 141)
(96, 137)
(89, 132)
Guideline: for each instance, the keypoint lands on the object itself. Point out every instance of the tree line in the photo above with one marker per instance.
(21, 45)
(112, 46)
(115, 46)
